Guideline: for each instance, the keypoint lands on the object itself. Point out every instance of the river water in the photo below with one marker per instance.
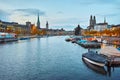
(48, 58)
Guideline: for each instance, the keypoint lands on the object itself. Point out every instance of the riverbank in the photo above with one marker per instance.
(105, 39)
(97, 39)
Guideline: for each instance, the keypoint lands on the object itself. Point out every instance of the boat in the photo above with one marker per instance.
(118, 48)
(81, 42)
(88, 44)
(24, 38)
(91, 45)
(73, 39)
(8, 37)
(94, 58)
(68, 39)
(104, 41)
(97, 69)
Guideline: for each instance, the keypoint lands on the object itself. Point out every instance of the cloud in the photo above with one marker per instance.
(66, 27)
(68, 23)
(67, 20)
(59, 12)
(110, 14)
(4, 14)
(91, 2)
(30, 11)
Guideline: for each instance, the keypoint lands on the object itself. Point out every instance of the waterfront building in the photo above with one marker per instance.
(13, 27)
(113, 27)
(59, 32)
(116, 30)
(101, 26)
(29, 25)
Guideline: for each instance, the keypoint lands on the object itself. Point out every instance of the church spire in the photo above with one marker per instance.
(38, 22)
(94, 20)
(104, 20)
(47, 25)
(90, 20)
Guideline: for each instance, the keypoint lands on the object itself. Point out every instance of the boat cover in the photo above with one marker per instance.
(94, 57)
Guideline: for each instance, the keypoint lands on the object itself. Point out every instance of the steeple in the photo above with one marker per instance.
(38, 22)
(104, 20)
(91, 17)
(47, 25)
(94, 20)
(91, 20)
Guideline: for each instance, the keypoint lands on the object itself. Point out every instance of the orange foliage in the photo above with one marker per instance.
(34, 30)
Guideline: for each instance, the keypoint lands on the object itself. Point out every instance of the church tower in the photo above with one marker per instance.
(47, 25)
(38, 22)
(104, 20)
(94, 20)
(91, 20)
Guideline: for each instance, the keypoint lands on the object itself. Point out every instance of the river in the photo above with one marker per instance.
(48, 58)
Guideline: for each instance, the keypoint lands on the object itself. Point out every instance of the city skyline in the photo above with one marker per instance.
(65, 14)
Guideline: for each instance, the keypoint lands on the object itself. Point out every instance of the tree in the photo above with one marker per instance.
(34, 30)
(78, 30)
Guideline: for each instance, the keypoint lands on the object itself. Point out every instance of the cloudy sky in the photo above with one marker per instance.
(60, 13)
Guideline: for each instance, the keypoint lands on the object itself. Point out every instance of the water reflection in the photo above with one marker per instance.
(95, 68)
(106, 70)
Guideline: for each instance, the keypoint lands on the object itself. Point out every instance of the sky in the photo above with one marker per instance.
(65, 14)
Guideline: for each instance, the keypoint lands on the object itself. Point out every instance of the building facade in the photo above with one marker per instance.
(100, 26)
(13, 27)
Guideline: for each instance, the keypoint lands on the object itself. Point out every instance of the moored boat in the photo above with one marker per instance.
(94, 58)
(95, 68)
(7, 37)
(118, 48)
(87, 44)
(24, 38)
(68, 39)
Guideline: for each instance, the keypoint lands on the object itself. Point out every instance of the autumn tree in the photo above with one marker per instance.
(34, 30)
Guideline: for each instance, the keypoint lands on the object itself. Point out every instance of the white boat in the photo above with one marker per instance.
(95, 68)
(94, 58)
(104, 41)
